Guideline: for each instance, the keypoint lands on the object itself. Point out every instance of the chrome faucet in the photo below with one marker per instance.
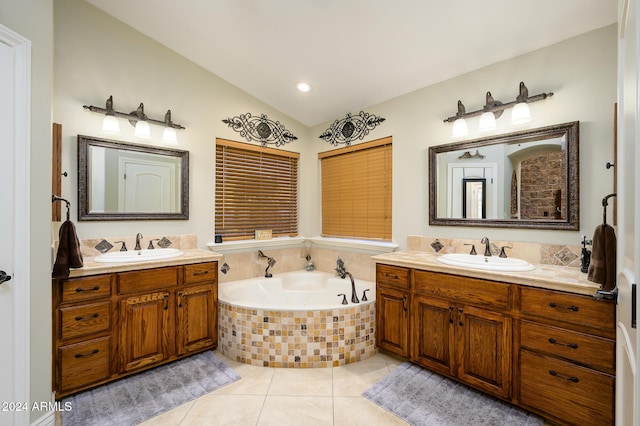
(342, 272)
(487, 246)
(270, 262)
(138, 238)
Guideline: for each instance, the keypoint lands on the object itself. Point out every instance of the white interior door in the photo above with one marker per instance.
(628, 249)
(14, 214)
(146, 186)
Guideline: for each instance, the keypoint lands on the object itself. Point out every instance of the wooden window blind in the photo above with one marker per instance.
(356, 191)
(256, 188)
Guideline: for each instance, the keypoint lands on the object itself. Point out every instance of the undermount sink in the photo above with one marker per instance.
(138, 255)
(487, 263)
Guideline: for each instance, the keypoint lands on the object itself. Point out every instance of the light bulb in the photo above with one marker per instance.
(303, 87)
(142, 129)
(520, 113)
(487, 122)
(110, 124)
(460, 128)
(169, 135)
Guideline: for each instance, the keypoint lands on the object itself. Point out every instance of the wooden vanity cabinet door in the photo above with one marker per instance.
(147, 330)
(433, 334)
(197, 318)
(392, 320)
(484, 349)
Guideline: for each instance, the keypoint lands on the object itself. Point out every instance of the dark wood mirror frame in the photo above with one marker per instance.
(570, 223)
(84, 212)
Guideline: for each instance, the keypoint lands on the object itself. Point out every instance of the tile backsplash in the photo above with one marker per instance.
(95, 246)
(546, 254)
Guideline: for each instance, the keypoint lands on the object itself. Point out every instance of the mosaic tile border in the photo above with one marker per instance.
(297, 339)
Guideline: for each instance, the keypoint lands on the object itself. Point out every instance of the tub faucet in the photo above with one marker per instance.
(270, 262)
(138, 238)
(342, 272)
(487, 246)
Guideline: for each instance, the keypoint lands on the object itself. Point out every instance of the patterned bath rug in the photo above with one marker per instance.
(423, 398)
(137, 398)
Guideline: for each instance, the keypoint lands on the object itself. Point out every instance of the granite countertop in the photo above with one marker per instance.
(543, 276)
(91, 267)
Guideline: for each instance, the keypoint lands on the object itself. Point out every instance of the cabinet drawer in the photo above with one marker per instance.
(392, 276)
(463, 289)
(571, 308)
(200, 272)
(84, 363)
(575, 394)
(86, 288)
(82, 320)
(147, 280)
(585, 349)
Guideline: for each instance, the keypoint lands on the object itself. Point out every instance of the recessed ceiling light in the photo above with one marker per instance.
(303, 87)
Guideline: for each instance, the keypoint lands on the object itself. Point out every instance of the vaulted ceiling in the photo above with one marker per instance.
(354, 53)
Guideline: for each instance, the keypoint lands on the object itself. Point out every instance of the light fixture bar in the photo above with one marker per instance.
(132, 116)
(498, 106)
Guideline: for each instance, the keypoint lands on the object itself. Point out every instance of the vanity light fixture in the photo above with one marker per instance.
(138, 119)
(493, 109)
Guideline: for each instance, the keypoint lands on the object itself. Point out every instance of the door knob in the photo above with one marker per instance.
(4, 277)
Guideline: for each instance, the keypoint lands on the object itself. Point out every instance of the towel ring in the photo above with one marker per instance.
(55, 198)
(605, 203)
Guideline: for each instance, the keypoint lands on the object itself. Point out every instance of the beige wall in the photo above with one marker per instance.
(98, 56)
(582, 74)
(33, 19)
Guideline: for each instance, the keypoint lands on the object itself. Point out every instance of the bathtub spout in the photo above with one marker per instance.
(270, 262)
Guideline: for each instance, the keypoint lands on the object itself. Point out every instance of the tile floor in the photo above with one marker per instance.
(290, 396)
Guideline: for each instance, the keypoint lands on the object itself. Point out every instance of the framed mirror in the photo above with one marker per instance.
(125, 181)
(526, 179)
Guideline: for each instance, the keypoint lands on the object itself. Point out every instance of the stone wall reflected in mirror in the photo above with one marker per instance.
(531, 179)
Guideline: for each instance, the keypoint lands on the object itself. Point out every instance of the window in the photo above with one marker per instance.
(256, 188)
(356, 191)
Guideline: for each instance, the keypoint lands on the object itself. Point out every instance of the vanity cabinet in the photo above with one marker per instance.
(197, 313)
(458, 330)
(548, 351)
(146, 316)
(83, 338)
(566, 356)
(110, 325)
(392, 309)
